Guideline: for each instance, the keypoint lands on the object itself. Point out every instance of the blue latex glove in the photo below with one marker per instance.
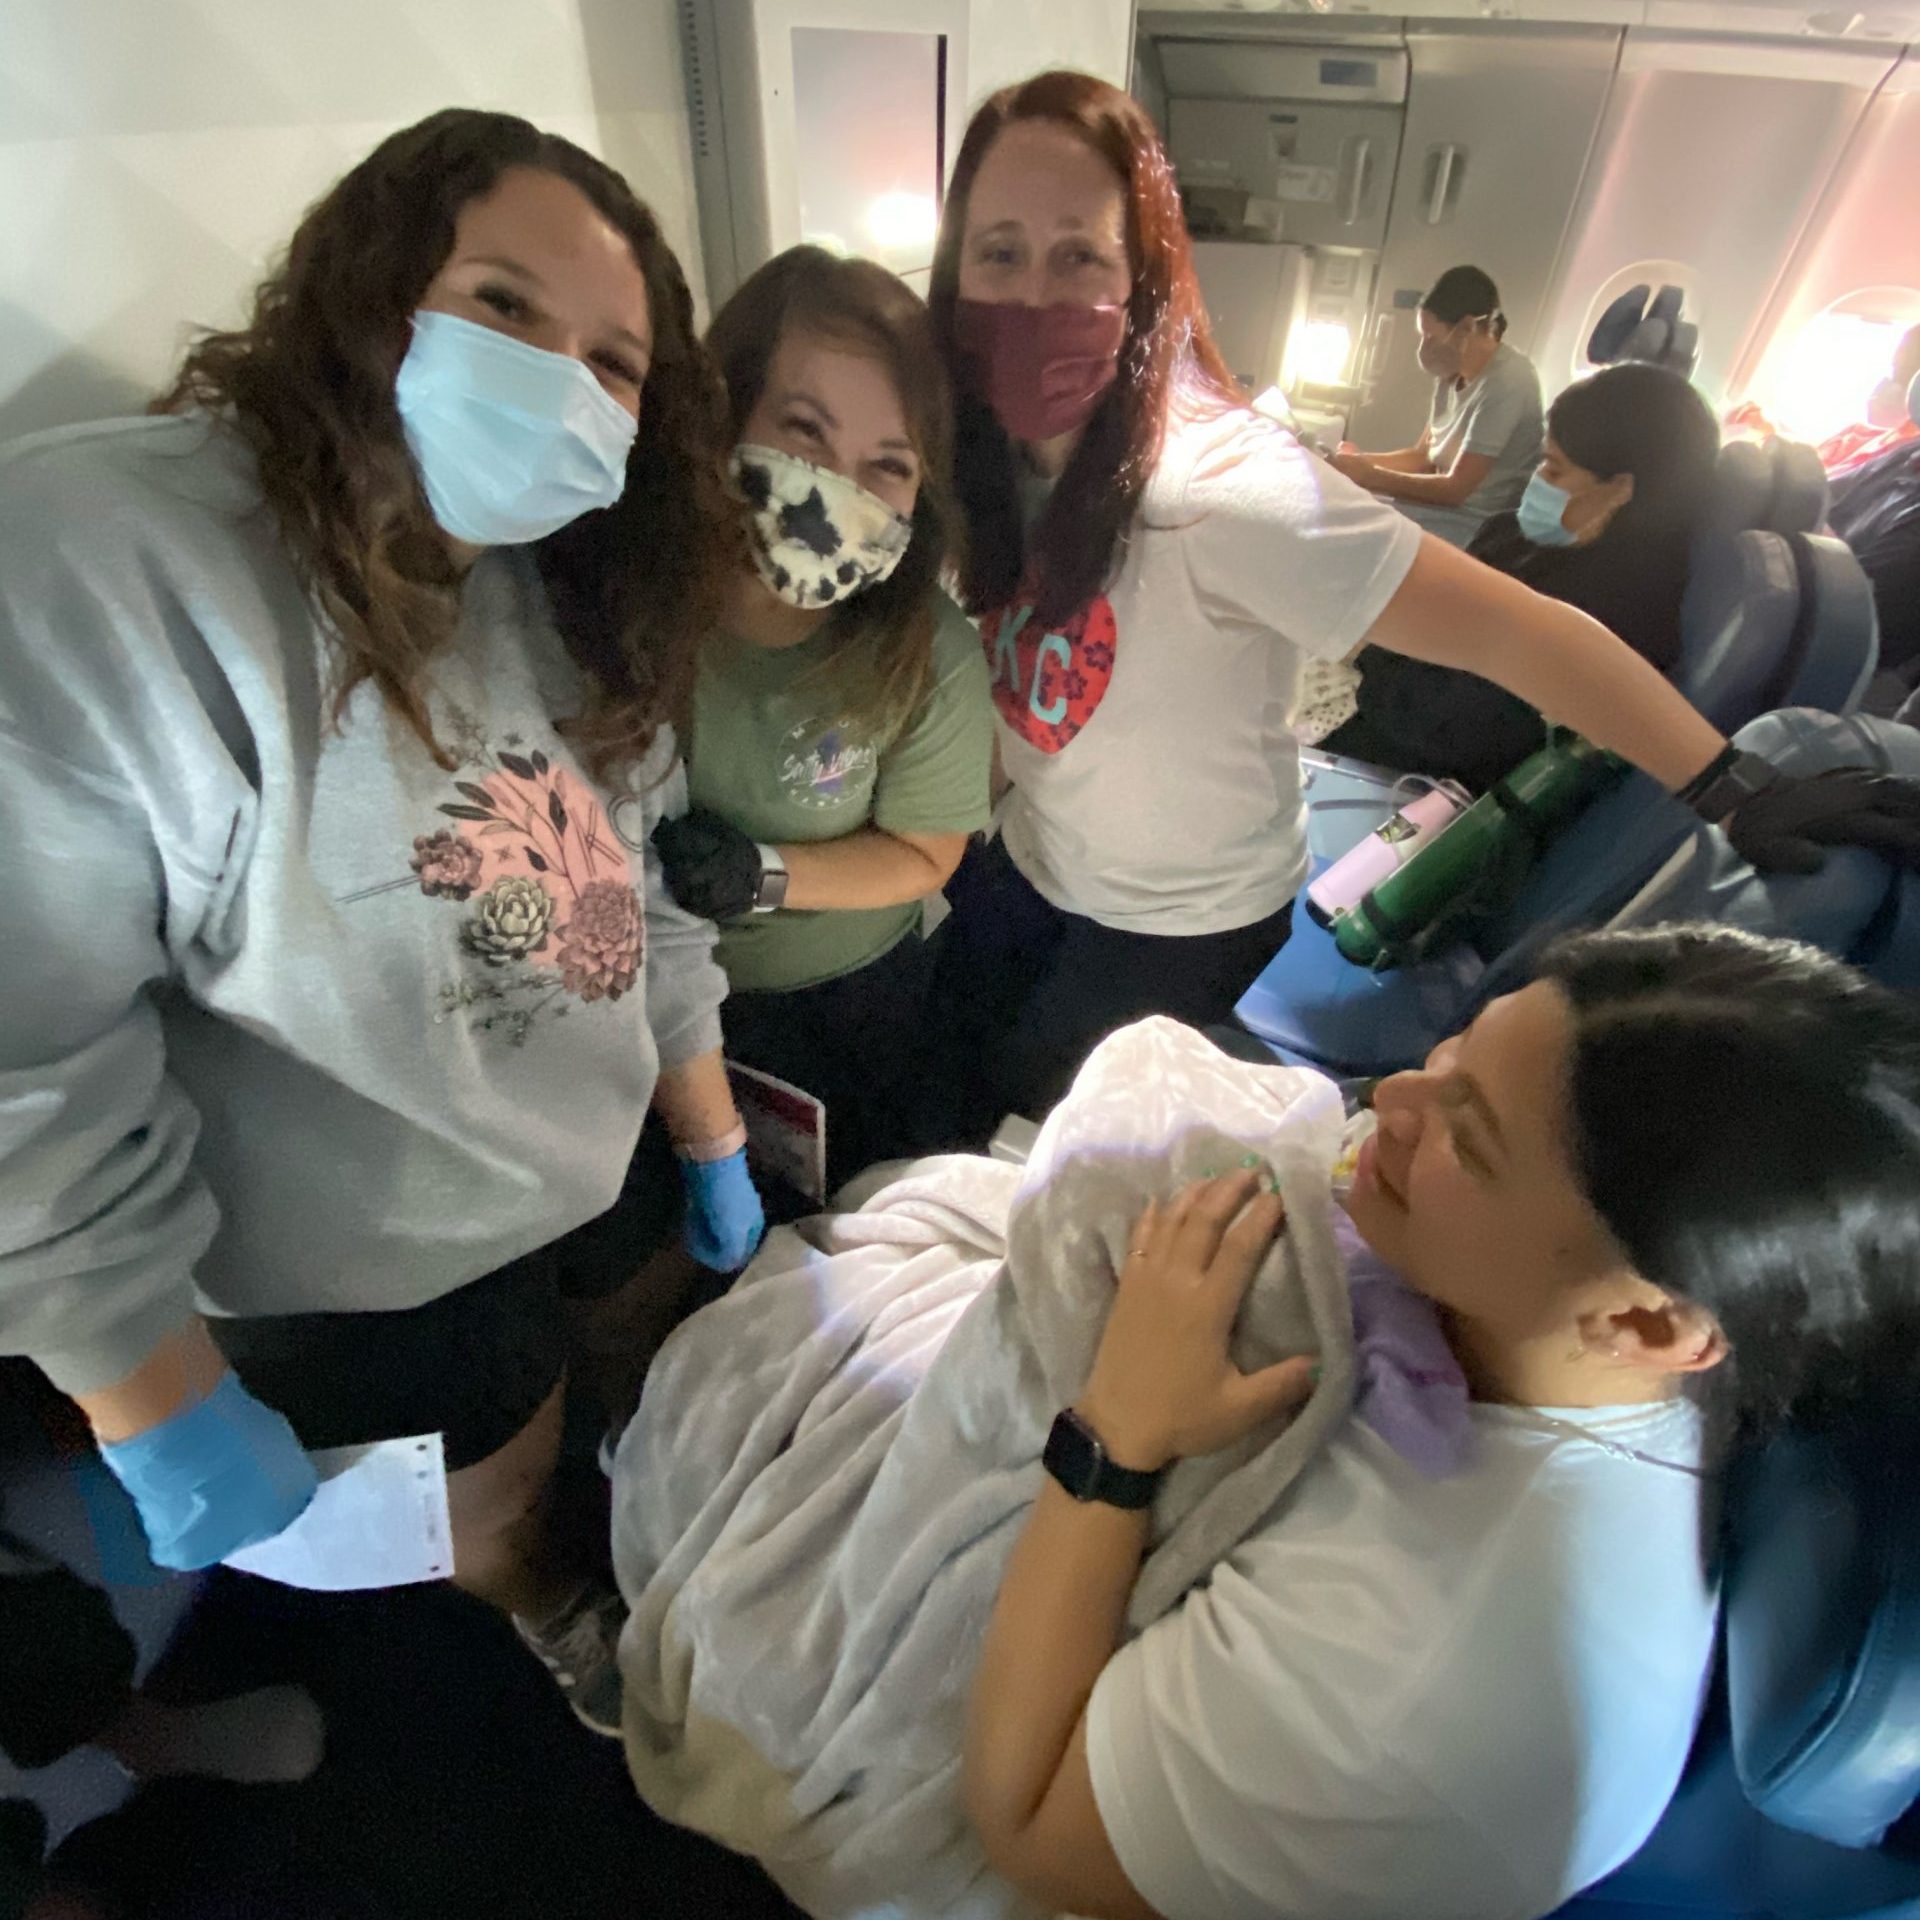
(724, 1216)
(222, 1474)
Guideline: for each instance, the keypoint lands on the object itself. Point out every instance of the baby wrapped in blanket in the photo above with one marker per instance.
(815, 1502)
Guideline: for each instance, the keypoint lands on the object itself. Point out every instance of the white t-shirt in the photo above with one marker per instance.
(1156, 781)
(1418, 1700)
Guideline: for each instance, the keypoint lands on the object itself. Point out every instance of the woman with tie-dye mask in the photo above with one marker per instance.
(841, 739)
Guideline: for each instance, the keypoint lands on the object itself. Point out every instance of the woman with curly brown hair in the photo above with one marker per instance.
(338, 708)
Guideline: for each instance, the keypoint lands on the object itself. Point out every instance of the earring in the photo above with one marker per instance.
(1585, 1351)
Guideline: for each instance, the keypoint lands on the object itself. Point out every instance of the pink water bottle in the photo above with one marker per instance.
(1384, 851)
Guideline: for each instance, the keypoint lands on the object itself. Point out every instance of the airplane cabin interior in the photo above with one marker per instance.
(1728, 190)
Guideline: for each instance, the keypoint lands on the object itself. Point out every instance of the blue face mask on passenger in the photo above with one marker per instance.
(511, 442)
(1542, 514)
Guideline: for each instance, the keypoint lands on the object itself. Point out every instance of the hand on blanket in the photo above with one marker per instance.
(1163, 1385)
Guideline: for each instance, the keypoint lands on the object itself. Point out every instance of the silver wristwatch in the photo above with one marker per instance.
(771, 895)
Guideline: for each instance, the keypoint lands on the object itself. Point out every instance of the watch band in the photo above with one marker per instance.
(1078, 1460)
(1732, 780)
(771, 895)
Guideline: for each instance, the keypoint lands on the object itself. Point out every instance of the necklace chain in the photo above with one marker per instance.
(1574, 1431)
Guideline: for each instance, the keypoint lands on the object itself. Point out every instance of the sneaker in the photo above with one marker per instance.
(579, 1647)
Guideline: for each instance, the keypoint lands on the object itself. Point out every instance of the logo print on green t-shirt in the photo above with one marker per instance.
(826, 769)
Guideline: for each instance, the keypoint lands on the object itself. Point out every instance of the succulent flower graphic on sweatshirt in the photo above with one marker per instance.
(549, 916)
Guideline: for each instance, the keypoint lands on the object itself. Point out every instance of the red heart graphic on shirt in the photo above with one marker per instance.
(1048, 683)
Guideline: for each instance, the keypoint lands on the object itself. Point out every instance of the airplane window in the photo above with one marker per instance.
(1643, 273)
(1824, 378)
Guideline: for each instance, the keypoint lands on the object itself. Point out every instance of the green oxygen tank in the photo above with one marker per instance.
(1492, 842)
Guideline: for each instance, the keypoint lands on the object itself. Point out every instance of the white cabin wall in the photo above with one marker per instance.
(1010, 40)
(155, 154)
(1711, 162)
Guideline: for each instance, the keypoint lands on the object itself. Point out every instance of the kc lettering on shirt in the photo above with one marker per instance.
(1046, 685)
(1156, 777)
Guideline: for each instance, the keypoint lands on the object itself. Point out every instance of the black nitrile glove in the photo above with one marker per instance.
(711, 867)
(1783, 823)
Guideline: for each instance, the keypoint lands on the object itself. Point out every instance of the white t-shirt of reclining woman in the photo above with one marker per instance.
(1409, 1699)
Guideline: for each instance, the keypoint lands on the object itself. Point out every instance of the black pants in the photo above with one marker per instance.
(1023, 991)
(1415, 717)
(848, 1041)
(474, 1365)
(66, 1663)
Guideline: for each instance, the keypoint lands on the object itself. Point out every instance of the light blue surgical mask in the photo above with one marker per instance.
(1542, 513)
(511, 442)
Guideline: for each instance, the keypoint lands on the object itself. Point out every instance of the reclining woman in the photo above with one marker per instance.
(1442, 1660)
(1607, 525)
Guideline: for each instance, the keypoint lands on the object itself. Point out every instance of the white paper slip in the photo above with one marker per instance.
(379, 1519)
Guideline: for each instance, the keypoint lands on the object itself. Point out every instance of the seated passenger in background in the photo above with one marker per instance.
(1877, 513)
(842, 731)
(1606, 525)
(1888, 423)
(1482, 438)
(1884, 423)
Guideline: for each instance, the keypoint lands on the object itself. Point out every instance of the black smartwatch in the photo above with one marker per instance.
(1076, 1458)
(1727, 783)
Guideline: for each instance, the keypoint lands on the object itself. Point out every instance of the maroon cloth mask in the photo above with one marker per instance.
(1042, 370)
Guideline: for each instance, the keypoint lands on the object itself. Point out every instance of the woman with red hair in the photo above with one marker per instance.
(1153, 565)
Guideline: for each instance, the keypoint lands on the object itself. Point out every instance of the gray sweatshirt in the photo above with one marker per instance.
(291, 1019)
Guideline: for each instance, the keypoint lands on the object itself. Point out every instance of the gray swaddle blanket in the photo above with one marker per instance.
(815, 1503)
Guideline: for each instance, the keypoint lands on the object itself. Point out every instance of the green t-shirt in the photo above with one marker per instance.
(763, 758)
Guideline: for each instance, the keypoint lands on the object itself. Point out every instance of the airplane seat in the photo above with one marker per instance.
(1312, 1007)
(1838, 638)
(1616, 326)
(1737, 625)
(1800, 491)
(1807, 1761)
(1634, 863)
(1346, 799)
(1742, 493)
(1855, 906)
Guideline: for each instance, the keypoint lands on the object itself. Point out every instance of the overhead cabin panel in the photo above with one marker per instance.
(1285, 140)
